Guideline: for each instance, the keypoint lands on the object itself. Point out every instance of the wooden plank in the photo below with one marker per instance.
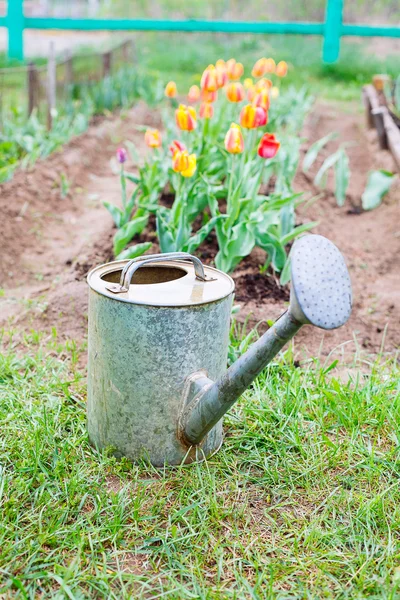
(377, 113)
(33, 88)
(393, 137)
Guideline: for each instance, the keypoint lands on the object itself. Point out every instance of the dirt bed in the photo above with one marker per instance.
(49, 242)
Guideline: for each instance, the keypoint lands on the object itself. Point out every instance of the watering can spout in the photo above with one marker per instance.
(320, 296)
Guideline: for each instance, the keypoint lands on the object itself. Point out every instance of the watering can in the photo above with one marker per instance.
(159, 325)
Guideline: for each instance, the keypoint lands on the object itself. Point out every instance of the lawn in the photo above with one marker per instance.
(302, 501)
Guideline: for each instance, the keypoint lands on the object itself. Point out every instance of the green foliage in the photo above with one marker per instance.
(379, 183)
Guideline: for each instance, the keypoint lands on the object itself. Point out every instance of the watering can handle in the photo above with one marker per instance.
(133, 265)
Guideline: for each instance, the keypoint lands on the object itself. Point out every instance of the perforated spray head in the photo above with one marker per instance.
(321, 287)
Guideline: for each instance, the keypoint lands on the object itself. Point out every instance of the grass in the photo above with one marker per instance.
(185, 60)
(301, 502)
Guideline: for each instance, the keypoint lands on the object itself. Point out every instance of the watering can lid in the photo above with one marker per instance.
(161, 280)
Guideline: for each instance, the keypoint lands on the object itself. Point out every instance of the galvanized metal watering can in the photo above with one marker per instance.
(158, 341)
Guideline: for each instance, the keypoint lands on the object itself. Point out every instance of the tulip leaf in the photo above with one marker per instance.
(315, 149)
(378, 184)
(126, 233)
(342, 177)
(116, 213)
(194, 242)
(274, 248)
(320, 178)
(297, 231)
(134, 251)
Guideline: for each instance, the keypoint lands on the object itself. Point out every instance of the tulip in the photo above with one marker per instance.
(185, 117)
(253, 116)
(222, 76)
(263, 84)
(206, 110)
(170, 89)
(235, 92)
(208, 96)
(251, 92)
(122, 155)
(194, 94)
(191, 169)
(274, 92)
(281, 69)
(152, 137)
(235, 70)
(234, 142)
(262, 99)
(176, 146)
(209, 79)
(220, 64)
(184, 163)
(269, 65)
(268, 146)
(259, 68)
(248, 83)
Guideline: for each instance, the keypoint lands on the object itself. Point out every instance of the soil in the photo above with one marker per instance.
(49, 243)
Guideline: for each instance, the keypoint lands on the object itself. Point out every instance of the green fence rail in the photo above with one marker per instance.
(332, 29)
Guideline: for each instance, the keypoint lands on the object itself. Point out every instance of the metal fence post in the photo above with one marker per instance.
(15, 25)
(332, 30)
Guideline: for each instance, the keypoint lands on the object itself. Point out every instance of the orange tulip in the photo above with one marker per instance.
(235, 92)
(206, 110)
(235, 70)
(269, 65)
(248, 83)
(194, 94)
(253, 116)
(268, 146)
(185, 117)
(259, 68)
(176, 146)
(263, 84)
(209, 79)
(262, 99)
(234, 142)
(208, 96)
(281, 69)
(170, 89)
(152, 137)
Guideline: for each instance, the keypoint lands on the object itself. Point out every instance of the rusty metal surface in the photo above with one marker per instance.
(139, 360)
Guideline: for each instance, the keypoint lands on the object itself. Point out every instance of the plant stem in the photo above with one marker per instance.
(123, 186)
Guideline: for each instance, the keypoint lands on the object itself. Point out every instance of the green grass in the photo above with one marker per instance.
(301, 502)
(185, 61)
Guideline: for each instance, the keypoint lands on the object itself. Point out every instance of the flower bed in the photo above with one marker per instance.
(218, 180)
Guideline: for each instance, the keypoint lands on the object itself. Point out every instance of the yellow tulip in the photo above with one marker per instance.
(185, 117)
(248, 82)
(152, 137)
(170, 89)
(235, 92)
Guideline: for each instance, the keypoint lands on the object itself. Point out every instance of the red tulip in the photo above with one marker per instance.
(268, 146)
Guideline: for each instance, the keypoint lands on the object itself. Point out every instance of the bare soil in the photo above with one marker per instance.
(49, 243)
